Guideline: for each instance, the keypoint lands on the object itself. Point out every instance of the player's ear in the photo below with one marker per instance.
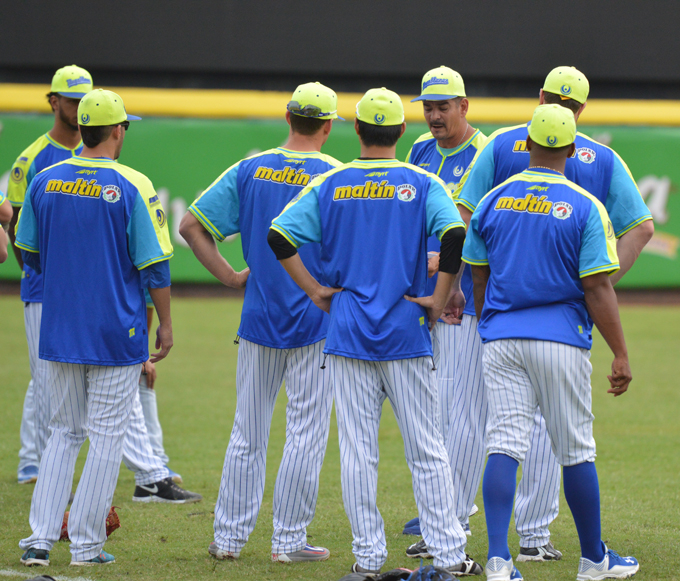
(356, 126)
(580, 110)
(464, 105)
(403, 128)
(327, 127)
(529, 143)
(288, 117)
(572, 150)
(541, 98)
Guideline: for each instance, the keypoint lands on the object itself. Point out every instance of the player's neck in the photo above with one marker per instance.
(547, 162)
(297, 142)
(65, 135)
(378, 152)
(106, 149)
(460, 137)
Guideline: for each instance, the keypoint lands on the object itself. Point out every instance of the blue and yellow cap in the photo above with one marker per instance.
(71, 81)
(552, 126)
(441, 84)
(568, 83)
(380, 107)
(314, 100)
(102, 107)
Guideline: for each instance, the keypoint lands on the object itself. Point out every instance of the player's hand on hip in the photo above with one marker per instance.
(621, 376)
(242, 278)
(149, 371)
(434, 311)
(453, 311)
(432, 264)
(323, 296)
(163, 342)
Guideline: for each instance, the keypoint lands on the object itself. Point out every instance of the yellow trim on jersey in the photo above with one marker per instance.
(24, 247)
(155, 260)
(451, 226)
(633, 224)
(287, 235)
(475, 262)
(207, 224)
(610, 268)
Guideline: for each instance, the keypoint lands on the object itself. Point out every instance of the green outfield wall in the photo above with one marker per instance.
(183, 156)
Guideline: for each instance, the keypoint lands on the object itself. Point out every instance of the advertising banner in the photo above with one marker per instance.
(184, 156)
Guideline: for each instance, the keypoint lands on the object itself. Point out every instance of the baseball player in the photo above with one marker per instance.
(446, 150)
(541, 250)
(600, 171)
(373, 217)
(281, 334)
(119, 244)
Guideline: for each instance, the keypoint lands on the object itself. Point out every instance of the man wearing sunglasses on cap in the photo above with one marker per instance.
(282, 334)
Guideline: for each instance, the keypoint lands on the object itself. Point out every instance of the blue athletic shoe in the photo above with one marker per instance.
(36, 557)
(104, 558)
(27, 475)
(176, 478)
(612, 566)
(412, 527)
(516, 575)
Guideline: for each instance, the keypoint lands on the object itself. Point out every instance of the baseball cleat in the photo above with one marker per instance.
(221, 555)
(176, 478)
(466, 529)
(498, 569)
(612, 566)
(27, 475)
(164, 491)
(412, 527)
(544, 553)
(418, 551)
(309, 553)
(467, 567)
(103, 558)
(474, 510)
(36, 557)
(356, 568)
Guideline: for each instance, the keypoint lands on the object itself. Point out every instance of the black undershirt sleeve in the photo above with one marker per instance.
(451, 250)
(281, 247)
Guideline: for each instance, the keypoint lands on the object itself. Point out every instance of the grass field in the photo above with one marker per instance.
(638, 437)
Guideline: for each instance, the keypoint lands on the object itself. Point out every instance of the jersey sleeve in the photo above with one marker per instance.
(624, 203)
(217, 209)
(27, 227)
(474, 249)
(20, 177)
(147, 231)
(3, 197)
(442, 214)
(408, 155)
(477, 181)
(598, 244)
(300, 221)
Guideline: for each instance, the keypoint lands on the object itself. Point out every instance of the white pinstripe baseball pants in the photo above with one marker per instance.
(92, 402)
(360, 389)
(260, 373)
(444, 354)
(153, 424)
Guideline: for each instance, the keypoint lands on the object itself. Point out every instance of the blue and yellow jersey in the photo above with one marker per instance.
(540, 234)
(3, 197)
(595, 167)
(95, 224)
(449, 165)
(41, 154)
(373, 219)
(246, 198)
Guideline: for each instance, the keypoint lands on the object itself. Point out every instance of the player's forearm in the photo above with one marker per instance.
(12, 237)
(3, 245)
(465, 214)
(480, 278)
(629, 247)
(442, 291)
(604, 310)
(299, 273)
(6, 213)
(149, 317)
(161, 300)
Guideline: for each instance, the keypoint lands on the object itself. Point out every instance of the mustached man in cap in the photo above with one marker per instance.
(373, 217)
(282, 334)
(535, 321)
(93, 332)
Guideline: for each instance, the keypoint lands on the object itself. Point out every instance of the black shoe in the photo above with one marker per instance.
(356, 568)
(544, 553)
(164, 491)
(33, 557)
(418, 551)
(467, 567)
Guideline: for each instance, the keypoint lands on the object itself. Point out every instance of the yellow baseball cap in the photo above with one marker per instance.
(552, 126)
(440, 84)
(380, 107)
(314, 100)
(71, 81)
(102, 107)
(568, 83)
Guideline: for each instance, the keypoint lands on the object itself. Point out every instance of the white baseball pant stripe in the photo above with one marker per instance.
(260, 372)
(444, 348)
(360, 388)
(92, 402)
(522, 375)
(153, 424)
(36, 414)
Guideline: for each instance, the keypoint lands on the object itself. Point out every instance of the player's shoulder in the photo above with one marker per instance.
(424, 140)
(136, 178)
(506, 133)
(478, 140)
(28, 155)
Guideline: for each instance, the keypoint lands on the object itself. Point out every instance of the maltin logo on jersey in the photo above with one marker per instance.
(406, 193)
(585, 155)
(562, 210)
(458, 171)
(111, 194)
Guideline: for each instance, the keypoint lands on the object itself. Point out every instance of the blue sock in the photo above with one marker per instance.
(500, 480)
(582, 492)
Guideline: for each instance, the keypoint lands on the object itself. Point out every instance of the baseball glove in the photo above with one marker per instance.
(395, 575)
(429, 573)
(112, 523)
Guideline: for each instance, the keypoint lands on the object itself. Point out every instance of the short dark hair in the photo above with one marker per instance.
(375, 135)
(93, 136)
(306, 125)
(553, 151)
(49, 97)
(554, 99)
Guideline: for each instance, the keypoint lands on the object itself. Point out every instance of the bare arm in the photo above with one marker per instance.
(465, 214)
(320, 295)
(629, 246)
(435, 303)
(480, 278)
(12, 236)
(453, 311)
(6, 212)
(3, 245)
(204, 247)
(604, 310)
(164, 342)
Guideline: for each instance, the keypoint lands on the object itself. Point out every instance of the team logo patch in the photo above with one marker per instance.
(379, 118)
(562, 210)
(551, 140)
(17, 174)
(111, 194)
(610, 231)
(160, 216)
(84, 119)
(406, 193)
(585, 155)
(458, 171)
(565, 90)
